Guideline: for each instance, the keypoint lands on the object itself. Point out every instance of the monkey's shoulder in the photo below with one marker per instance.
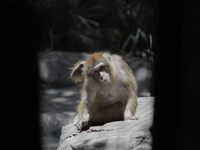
(116, 58)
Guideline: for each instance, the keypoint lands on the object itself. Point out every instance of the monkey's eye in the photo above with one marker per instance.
(102, 68)
(95, 72)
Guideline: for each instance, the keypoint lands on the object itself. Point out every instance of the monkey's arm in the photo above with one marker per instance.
(129, 88)
(82, 118)
(130, 98)
(85, 108)
(130, 110)
(131, 106)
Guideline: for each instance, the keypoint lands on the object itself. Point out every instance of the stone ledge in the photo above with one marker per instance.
(120, 135)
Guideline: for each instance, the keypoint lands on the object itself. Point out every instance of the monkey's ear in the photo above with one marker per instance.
(78, 69)
(107, 55)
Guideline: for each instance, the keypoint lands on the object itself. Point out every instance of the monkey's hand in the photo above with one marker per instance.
(82, 125)
(133, 118)
(130, 110)
(81, 122)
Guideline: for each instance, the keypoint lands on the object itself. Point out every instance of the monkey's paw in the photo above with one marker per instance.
(82, 125)
(133, 118)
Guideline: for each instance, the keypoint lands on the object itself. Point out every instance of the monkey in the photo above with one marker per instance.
(108, 90)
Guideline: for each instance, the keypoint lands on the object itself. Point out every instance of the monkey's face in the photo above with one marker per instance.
(101, 73)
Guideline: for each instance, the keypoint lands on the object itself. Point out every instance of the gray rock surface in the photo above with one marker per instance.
(54, 67)
(120, 135)
(57, 108)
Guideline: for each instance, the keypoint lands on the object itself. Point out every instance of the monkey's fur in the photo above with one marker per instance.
(104, 101)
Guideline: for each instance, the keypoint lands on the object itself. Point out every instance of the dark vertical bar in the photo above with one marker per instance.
(177, 76)
(189, 96)
(20, 39)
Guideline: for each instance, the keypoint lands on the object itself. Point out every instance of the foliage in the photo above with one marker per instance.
(91, 25)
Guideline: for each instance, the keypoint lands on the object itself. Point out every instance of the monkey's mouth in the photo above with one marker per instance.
(104, 81)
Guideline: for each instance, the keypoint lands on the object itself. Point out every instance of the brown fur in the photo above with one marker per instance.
(97, 110)
(79, 77)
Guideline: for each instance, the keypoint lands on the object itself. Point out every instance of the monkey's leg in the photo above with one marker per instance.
(108, 114)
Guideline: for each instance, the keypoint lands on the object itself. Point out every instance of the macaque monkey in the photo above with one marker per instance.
(108, 90)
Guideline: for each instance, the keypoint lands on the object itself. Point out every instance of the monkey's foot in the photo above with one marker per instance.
(133, 118)
(82, 125)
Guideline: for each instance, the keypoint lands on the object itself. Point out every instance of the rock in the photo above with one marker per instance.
(143, 72)
(57, 108)
(119, 135)
(54, 67)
